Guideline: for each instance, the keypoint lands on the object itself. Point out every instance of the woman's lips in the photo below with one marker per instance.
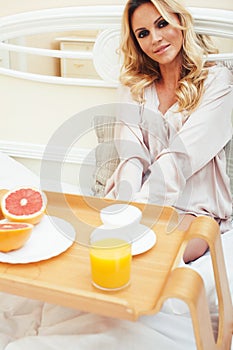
(161, 49)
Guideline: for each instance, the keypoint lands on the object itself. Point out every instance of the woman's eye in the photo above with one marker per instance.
(163, 23)
(143, 33)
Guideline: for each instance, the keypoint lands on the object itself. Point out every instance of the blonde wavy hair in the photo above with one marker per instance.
(139, 71)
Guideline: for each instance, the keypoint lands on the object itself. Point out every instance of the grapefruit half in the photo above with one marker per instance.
(24, 205)
(13, 235)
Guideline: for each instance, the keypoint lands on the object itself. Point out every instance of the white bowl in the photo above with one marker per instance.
(120, 215)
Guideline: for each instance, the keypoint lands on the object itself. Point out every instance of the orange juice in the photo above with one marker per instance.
(110, 263)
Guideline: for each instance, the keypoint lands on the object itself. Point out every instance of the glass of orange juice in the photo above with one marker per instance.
(110, 257)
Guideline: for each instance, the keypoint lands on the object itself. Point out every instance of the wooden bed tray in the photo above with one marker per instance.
(66, 279)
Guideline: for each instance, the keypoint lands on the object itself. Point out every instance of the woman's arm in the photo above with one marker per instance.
(133, 153)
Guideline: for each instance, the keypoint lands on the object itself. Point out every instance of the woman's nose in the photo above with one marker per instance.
(156, 36)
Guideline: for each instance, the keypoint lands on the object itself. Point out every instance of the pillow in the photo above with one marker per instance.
(105, 153)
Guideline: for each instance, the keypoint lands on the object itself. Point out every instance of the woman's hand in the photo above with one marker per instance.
(196, 247)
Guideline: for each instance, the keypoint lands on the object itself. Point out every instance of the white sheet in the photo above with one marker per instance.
(27, 324)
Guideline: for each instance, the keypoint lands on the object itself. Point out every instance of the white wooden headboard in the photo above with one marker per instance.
(106, 21)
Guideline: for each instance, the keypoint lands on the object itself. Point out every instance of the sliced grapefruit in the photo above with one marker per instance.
(24, 205)
(13, 235)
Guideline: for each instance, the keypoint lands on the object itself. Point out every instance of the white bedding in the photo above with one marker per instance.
(28, 324)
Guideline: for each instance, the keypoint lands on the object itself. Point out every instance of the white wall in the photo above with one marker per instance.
(32, 112)
(224, 4)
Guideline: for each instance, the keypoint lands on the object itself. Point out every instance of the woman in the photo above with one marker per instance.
(174, 117)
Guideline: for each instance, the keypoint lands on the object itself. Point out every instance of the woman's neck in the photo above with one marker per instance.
(170, 75)
(166, 87)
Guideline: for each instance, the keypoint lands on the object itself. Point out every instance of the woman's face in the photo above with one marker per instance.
(157, 38)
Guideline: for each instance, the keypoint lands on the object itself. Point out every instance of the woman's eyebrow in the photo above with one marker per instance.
(158, 19)
(138, 29)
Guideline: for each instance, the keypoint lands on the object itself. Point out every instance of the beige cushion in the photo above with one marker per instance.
(105, 153)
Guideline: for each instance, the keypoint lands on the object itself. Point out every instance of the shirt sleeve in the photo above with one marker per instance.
(134, 155)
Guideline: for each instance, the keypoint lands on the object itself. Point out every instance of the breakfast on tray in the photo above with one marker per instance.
(20, 209)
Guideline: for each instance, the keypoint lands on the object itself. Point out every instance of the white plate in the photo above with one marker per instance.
(51, 237)
(145, 241)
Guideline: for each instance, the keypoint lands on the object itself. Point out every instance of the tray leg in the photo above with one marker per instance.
(207, 229)
(187, 285)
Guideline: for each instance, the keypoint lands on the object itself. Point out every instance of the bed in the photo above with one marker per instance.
(27, 323)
